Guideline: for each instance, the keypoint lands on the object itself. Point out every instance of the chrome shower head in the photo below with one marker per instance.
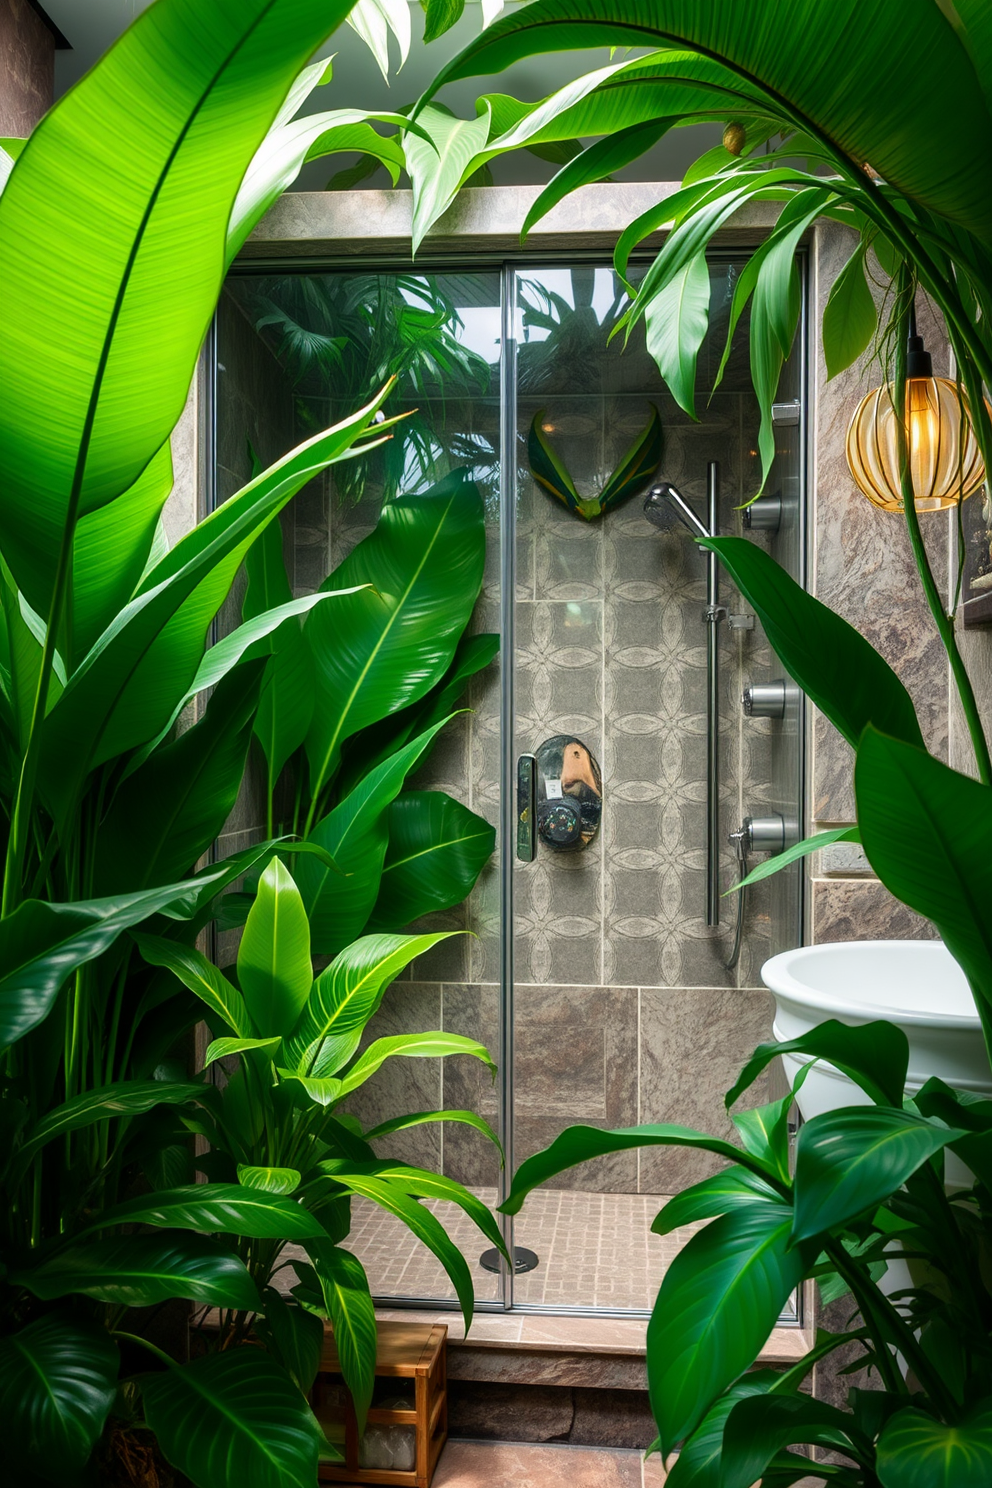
(664, 505)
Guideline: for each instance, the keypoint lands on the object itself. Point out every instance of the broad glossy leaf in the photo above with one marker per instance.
(783, 69)
(420, 1118)
(850, 1159)
(110, 553)
(345, 1289)
(200, 976)
(733, 1188)
(438, 168)
(274, 967)
(232, 1419)
(874, 1055)
(164, 817)
(764, 1132)
(321, 1090)
(285, 707)
(596, 163)
(144, 1270)
(294, 1336)
(374, 20)
(152, 267)
(675, 323)
(760, 1426)
(348, 992)
(698, 1462)
(41, 944)
(831, 661)
(423, 1185)
(58, 1380)
(925, 830)
(718, 1302)
(849, 316)
(578, 1144)
(437, 849)
(223, 1048)
(227, 1208)
(123, 1098)
(377, 651)
(427, 1228)
(355, 834)
(435, 1045)
(269, 1180)
(915, 1451)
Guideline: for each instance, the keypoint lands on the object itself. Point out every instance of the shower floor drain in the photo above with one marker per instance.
(523, 1260)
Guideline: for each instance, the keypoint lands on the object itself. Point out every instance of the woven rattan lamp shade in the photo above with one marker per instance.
(944, 458)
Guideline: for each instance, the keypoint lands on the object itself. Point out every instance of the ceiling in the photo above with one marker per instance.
(91, 26)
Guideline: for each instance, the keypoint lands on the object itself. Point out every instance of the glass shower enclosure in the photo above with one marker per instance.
(608, 744)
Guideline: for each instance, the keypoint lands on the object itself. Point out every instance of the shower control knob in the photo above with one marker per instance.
(765, 699)
(763, 515)
(559, 823)
(770, 834)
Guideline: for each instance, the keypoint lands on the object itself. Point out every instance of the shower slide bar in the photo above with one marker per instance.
(663, 505)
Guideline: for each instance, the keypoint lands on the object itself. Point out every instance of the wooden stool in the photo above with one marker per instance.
(416, 1351)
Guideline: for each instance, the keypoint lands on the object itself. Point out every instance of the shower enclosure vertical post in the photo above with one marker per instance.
(714, 614)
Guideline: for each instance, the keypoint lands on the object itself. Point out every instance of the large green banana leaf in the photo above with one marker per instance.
(437, 849)
(274, 968)
(385, 649)
(943, 168)
(167, 126)
(128, 685)
(355, 834)
(233, 1419)
(58, 1379)
(144, 1270)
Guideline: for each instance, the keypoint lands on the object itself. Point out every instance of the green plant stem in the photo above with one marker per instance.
(945, 627)
(145, 1344)
(884, 1318)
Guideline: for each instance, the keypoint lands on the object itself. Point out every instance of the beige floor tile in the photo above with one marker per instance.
(504, 1465)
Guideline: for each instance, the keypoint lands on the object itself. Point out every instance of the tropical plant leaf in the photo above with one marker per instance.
(385, 649)
(923, 827)
(234, 1418)
(849, 316)
(760, 1426)
(718, 1302)
(269, 1180)
(420, 1118)
(349, 1305)
(698, 1462)
(915, 1451)
(200, 976)
(675, 323)
(355, 834)
(578, 1144)
(172, 173)
(435, 1045)
(224, 1048)
(41, 944)
(58, 1380)
(274, 967)
(347, 994)
(181, 796)
(596, 163)
(122, 1098)
(294, 1336)
(321, 1090)
(851, 1159)
(227, 1208)
(831, 661)
(439, 167)
(874, 1055)
(423, 1185)
(437, 849)
(751, 43)
(733, 1188)
(142, 1271)
(792, 854)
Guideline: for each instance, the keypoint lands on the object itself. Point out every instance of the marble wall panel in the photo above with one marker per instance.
(576, 1061)
(27, 68)
(862, 909)
(694, 1042)
(862, 562)
(471, 1009)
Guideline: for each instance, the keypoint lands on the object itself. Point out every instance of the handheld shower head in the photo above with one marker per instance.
(664, 505)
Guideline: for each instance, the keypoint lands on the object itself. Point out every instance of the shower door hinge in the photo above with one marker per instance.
(786, 413)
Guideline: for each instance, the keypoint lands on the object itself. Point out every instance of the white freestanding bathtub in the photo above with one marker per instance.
(915, 984)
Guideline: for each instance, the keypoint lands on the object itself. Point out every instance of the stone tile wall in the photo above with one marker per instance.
(27, 67)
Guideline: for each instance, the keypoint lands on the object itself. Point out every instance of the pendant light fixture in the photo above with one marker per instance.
(944, 458)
